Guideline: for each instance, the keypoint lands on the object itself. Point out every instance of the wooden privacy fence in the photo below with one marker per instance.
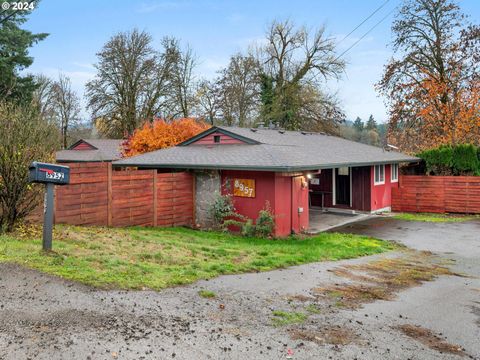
(98, 195)
(438, 194)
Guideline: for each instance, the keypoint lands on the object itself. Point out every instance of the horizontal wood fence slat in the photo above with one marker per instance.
(98, 195)
(439, 194)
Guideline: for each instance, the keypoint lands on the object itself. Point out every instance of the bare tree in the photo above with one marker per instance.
(292, 60)
(208, 100)
(26, 137)
(240, 90)
(66, 105)
(43, 98)
(130, 84)
(181, 93)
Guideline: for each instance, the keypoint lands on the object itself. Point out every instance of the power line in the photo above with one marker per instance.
(363, 36)
(364, 21)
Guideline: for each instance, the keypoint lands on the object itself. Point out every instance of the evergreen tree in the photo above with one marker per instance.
(371, 123)
(14, 57)
(358, 124)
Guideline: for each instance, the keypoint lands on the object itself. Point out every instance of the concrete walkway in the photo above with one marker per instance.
(327, 220)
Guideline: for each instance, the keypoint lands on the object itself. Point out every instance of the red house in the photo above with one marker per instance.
(92, 150)
(292, 171)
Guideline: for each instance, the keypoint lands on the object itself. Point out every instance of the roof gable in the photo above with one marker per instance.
(82, 145)
(207, 138)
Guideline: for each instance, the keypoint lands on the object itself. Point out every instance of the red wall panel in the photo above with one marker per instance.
(381, 196)
(300, 210)
(224, 140)
(284, 193)
(83, 146)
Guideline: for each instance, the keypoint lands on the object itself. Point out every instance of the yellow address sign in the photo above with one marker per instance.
(244, 187)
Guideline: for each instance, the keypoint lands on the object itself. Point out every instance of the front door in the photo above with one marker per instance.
(342, 186)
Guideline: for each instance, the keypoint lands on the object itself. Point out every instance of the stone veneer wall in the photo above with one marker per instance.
(207, 188)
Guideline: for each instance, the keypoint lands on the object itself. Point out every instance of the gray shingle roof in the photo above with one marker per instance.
(107, 150)
(287, 151)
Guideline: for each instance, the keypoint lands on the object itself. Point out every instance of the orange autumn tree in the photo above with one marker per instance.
(161, 134)
(431, 84)
(442, 111)
(450, 114)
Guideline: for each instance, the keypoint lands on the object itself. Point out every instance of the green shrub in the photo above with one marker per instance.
(462, 159)
(465, 159)
(265, 223)
(248, 229)
(222, 208)
(438, 161)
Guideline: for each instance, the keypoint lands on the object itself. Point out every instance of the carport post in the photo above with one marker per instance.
(48, 217)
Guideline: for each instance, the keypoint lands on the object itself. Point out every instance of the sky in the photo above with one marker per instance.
(216, 30)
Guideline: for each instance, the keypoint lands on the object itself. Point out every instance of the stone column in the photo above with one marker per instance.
(207, 188)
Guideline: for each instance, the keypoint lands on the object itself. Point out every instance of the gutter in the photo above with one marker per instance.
(260, 168)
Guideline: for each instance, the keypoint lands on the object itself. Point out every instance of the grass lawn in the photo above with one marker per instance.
(431, 217)
(154, 258)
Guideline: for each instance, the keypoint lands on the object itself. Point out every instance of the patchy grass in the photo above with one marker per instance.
(312, 309)
(326, 335)
(207, 294)
(282, 318)
(428, 338)
(381, 280)
(431, 217)
(154, 258)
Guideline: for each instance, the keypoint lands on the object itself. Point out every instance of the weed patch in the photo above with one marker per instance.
(327, 335)
(282, 318)
(431, 217)
(207, 294)
(381, 280)
(428, 338)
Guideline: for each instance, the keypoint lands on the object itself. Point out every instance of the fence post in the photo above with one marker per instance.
(109, 194)
(155, 196)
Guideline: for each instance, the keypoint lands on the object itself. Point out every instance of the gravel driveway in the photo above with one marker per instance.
(43, 317)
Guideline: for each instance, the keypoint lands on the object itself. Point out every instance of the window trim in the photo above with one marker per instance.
(380, 182)
(216, 139)
(392, 166)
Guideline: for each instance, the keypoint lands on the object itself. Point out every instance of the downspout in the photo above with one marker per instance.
(292, 232)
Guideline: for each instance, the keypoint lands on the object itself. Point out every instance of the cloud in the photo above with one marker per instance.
(208, 67)
(161, 5)
(84, 65)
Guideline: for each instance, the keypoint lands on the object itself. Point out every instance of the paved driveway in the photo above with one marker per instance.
(43, 317)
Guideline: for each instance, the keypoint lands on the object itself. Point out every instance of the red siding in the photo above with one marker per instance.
(283, 205)
(381, 196)
(300, 202)
(83, 146)
(439, 194)
(224, 139)
(264, 191)
(284, 195)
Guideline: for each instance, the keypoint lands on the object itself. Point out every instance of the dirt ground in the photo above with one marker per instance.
(422, 303)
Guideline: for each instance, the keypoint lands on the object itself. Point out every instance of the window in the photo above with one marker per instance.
(216, 139)
(394, 172)
(379, 174)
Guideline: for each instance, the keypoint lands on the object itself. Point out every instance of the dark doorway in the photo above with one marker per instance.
(342, 186)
